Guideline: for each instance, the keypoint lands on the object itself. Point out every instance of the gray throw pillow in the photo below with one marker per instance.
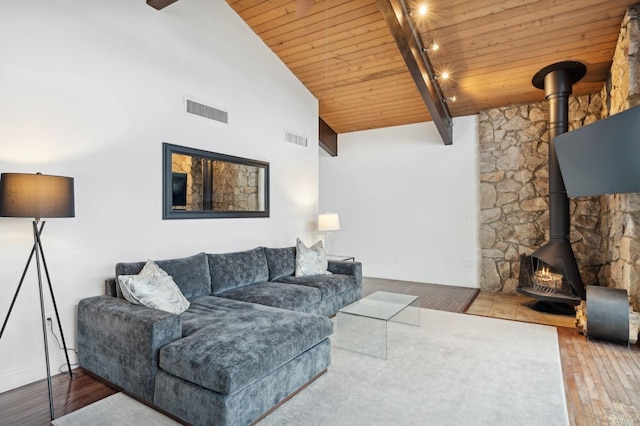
(310, 260)
(154, 288)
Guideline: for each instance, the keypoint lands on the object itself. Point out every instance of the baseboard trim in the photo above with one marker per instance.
(31, 374)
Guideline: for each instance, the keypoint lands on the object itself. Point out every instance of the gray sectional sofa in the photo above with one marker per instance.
(253, 334)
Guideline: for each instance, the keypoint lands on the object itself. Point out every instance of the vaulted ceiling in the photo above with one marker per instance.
(344, 53)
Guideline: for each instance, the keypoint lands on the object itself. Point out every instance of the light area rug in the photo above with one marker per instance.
(117, 409)
(454, 369)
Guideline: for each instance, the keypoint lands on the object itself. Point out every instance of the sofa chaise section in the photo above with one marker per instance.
(203, 365)
(227, 344)
(237, 349)
(199, 406)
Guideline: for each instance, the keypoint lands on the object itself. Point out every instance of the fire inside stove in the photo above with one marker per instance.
(550, 282)
(546, 281)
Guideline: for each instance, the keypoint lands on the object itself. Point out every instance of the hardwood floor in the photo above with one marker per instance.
(601, 379)
(29, 404)
(432, 296)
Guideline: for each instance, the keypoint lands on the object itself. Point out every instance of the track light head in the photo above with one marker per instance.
(431, 47)
(421, 10)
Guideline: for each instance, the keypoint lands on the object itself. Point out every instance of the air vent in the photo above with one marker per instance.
(295, 138)
(206, 111)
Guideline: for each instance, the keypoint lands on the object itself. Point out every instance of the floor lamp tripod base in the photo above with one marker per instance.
(39, 254)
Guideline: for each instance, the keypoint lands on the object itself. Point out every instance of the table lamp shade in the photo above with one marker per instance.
(36, 195)
(328, 222)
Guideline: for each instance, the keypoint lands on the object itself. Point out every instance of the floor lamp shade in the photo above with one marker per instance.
(36, 195)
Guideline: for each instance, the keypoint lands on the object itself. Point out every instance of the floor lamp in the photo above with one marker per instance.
(37, 196)
(327, 223)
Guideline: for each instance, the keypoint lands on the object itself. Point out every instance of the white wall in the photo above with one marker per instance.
(408, 204)
(91, 90)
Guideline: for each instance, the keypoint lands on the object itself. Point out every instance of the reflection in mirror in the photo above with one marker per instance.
(201, 184)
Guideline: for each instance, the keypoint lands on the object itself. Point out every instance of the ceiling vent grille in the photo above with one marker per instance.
(206, 111)
(295, 138)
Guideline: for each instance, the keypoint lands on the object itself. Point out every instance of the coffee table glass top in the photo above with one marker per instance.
(380, 305)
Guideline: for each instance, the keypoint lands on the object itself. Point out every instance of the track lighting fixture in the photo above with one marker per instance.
(421, 10)
(431, 47)
(412, 19)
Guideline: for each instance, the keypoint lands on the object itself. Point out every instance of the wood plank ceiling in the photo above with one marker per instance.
(343, 52)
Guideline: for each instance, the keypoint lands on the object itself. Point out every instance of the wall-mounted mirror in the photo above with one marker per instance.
(201, 184)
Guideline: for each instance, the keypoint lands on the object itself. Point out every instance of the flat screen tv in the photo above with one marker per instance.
(602, 157)
(179, 185)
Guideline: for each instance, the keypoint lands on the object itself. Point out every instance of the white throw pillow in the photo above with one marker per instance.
(154, 288)
(310, 260)
(151, 269)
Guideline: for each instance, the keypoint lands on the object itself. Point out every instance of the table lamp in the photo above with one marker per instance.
(327, 223)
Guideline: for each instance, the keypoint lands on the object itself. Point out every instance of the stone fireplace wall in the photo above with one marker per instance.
(514, 218)
(621, 212)
(514, 189)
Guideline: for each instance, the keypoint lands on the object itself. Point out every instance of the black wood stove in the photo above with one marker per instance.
(551, 273)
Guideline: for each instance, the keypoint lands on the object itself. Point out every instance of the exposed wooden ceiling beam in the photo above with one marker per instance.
(328, 138)
(160, 4)
(419, 66)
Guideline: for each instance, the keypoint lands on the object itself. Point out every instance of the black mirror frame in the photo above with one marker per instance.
(167, 194)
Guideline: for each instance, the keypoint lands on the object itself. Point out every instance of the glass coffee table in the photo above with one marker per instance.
(362, 326)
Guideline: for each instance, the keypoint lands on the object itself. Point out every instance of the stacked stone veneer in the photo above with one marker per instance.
(514, 189)
(235, 186)
(621, 213)
(605, 231)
